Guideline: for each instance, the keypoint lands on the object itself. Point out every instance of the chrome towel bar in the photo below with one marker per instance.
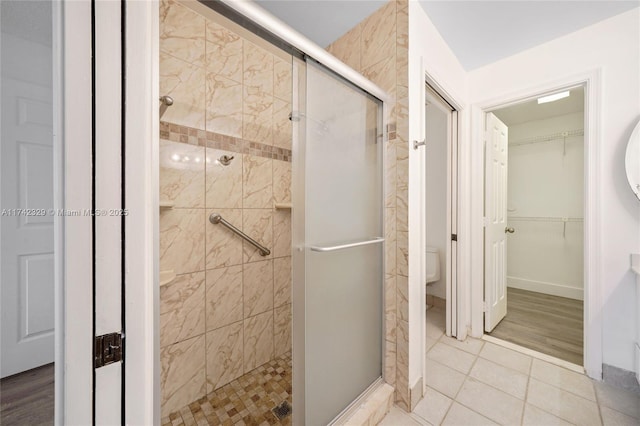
(346, 246)
(216, 219)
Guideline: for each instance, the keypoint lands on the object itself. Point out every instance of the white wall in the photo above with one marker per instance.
(612, 46)
(436, 191)
(427, 52)
(546, 179)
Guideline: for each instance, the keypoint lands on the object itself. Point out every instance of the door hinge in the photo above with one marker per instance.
(454, 237)
(108, 349)
(484, 306)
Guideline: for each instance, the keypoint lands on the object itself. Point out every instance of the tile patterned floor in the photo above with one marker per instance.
(479, 383)
(247, 400)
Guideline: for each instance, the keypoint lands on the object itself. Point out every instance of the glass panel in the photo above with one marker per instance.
(343, 187)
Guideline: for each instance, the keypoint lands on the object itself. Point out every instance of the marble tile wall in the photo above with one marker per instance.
(228, 310)
(378, 48)
(183, 134)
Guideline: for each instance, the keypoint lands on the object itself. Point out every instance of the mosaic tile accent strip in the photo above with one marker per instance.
(248, 400)
(189, 135)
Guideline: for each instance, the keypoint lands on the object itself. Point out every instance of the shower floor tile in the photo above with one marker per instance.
(248, 400)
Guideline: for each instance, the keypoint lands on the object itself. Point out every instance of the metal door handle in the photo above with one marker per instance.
(346, 246)
(509, 230)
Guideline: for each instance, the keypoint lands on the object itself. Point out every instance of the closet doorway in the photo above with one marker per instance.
(534, 230)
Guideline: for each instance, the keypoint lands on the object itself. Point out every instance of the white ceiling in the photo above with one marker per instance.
(478, 32)
(482, 32)
(323, 21)
(531, 110)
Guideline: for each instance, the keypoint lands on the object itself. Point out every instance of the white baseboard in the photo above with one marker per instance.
(416, 393)
(546, 288)
(620, 378)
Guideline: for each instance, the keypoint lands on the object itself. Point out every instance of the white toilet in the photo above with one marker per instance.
(433, 265)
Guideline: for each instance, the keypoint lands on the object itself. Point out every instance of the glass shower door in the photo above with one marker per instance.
(340, 165)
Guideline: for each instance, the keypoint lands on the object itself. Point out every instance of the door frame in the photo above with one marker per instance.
(142, 292)
(73, 124)
(451, 213)
(591, 81)
(59, 172)
(455, 322)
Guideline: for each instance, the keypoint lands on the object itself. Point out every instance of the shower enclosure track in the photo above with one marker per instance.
(216, 219)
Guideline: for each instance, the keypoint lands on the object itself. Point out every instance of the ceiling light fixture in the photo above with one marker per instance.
(554, 97)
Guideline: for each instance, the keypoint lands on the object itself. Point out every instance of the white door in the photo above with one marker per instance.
(495, 251)
(27, 290)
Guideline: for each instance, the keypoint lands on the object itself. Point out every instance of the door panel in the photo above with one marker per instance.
(343, 341)
(35, 163)
(36, 294)
(495, 221)
(27, 238)
(343, 253)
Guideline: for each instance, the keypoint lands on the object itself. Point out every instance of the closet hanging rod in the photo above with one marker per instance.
(216, 218)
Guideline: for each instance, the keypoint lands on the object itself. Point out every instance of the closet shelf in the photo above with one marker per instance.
(545, 219)
(547, 138)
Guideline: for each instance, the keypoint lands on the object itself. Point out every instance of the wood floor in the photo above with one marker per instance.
(544, 323)
(28, 398)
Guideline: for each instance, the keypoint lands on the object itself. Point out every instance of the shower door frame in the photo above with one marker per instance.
(299, 246)
(142, 405)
